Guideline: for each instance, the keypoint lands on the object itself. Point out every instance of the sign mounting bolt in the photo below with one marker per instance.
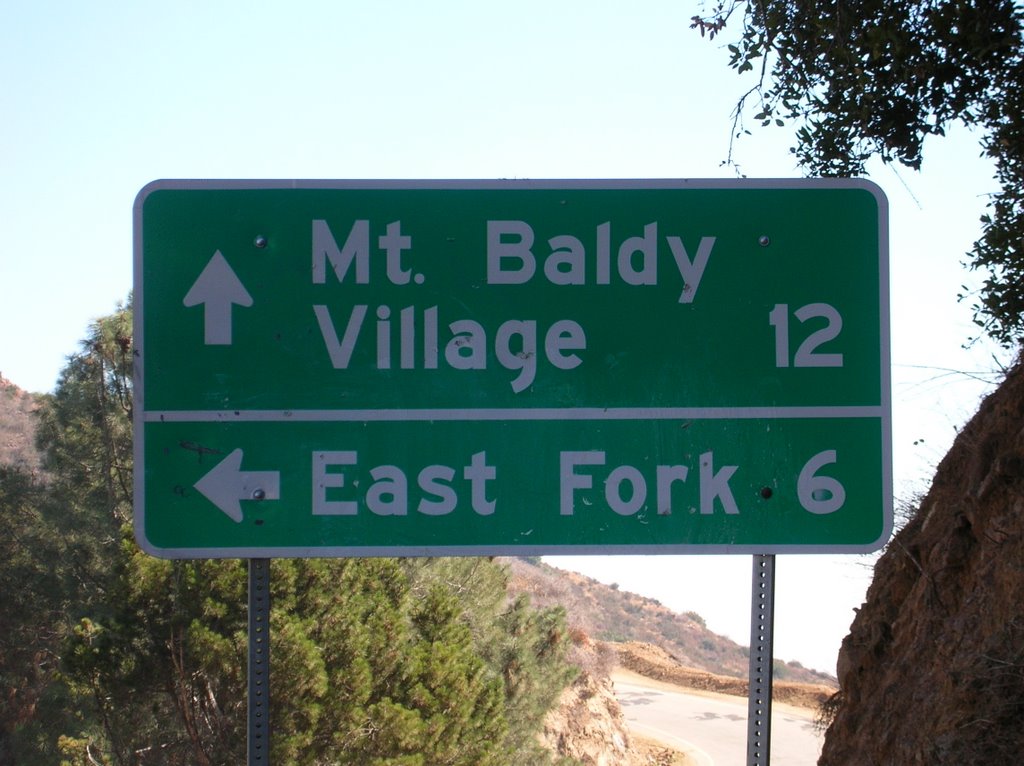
(260, 241)
(258, 494)
(764, 240)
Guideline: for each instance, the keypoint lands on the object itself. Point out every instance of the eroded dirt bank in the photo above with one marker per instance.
(932, 671)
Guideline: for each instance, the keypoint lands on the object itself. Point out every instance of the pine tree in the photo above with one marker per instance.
(30, 616)
(525, 647)
(373, 661)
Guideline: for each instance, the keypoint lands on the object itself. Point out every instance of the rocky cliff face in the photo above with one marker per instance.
(588, 725)
(932, 671)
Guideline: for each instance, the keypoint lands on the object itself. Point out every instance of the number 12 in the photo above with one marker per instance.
(807, 354)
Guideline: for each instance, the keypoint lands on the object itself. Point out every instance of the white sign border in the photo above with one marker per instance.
(142, 417)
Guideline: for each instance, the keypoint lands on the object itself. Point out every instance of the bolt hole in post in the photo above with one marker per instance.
(258, 740)
(759, 702)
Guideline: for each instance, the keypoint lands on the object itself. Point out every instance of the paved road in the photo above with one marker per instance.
(713, 729)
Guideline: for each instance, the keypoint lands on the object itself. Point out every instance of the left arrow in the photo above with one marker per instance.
(217, 288)
(226, 485)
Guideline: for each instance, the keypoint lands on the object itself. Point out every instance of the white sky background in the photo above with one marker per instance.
(98, 99)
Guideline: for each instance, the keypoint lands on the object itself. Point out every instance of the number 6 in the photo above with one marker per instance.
(820, 494)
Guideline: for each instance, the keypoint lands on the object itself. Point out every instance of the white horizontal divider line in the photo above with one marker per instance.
(513, 413)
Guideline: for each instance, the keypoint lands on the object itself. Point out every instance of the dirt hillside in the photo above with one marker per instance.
(655, 663)
(588, 725)
(933, 669)
(606, 613)
(17, 427)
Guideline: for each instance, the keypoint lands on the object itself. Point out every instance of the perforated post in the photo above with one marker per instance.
(762, 622)
(258, 747)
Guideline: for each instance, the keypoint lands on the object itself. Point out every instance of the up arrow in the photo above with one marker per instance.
(217, 288)
(226, 485)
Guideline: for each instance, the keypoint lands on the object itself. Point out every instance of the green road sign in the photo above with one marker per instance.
(435, 368)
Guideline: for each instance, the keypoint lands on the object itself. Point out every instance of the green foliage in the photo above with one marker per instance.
(363, 672)
(780, 670)
(30, 616)
(114, 657)
(529, 649)
(85, 435)
(875, 78)
(524, 648)
(61, 552)
(697, 618)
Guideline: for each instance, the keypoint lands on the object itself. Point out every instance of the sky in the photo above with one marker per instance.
(99, 99)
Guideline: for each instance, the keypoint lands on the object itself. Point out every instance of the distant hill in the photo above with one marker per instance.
(18, 427)
(606, 613)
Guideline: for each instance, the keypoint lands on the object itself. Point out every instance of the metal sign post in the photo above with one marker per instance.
(258, 729)
(762, 623)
